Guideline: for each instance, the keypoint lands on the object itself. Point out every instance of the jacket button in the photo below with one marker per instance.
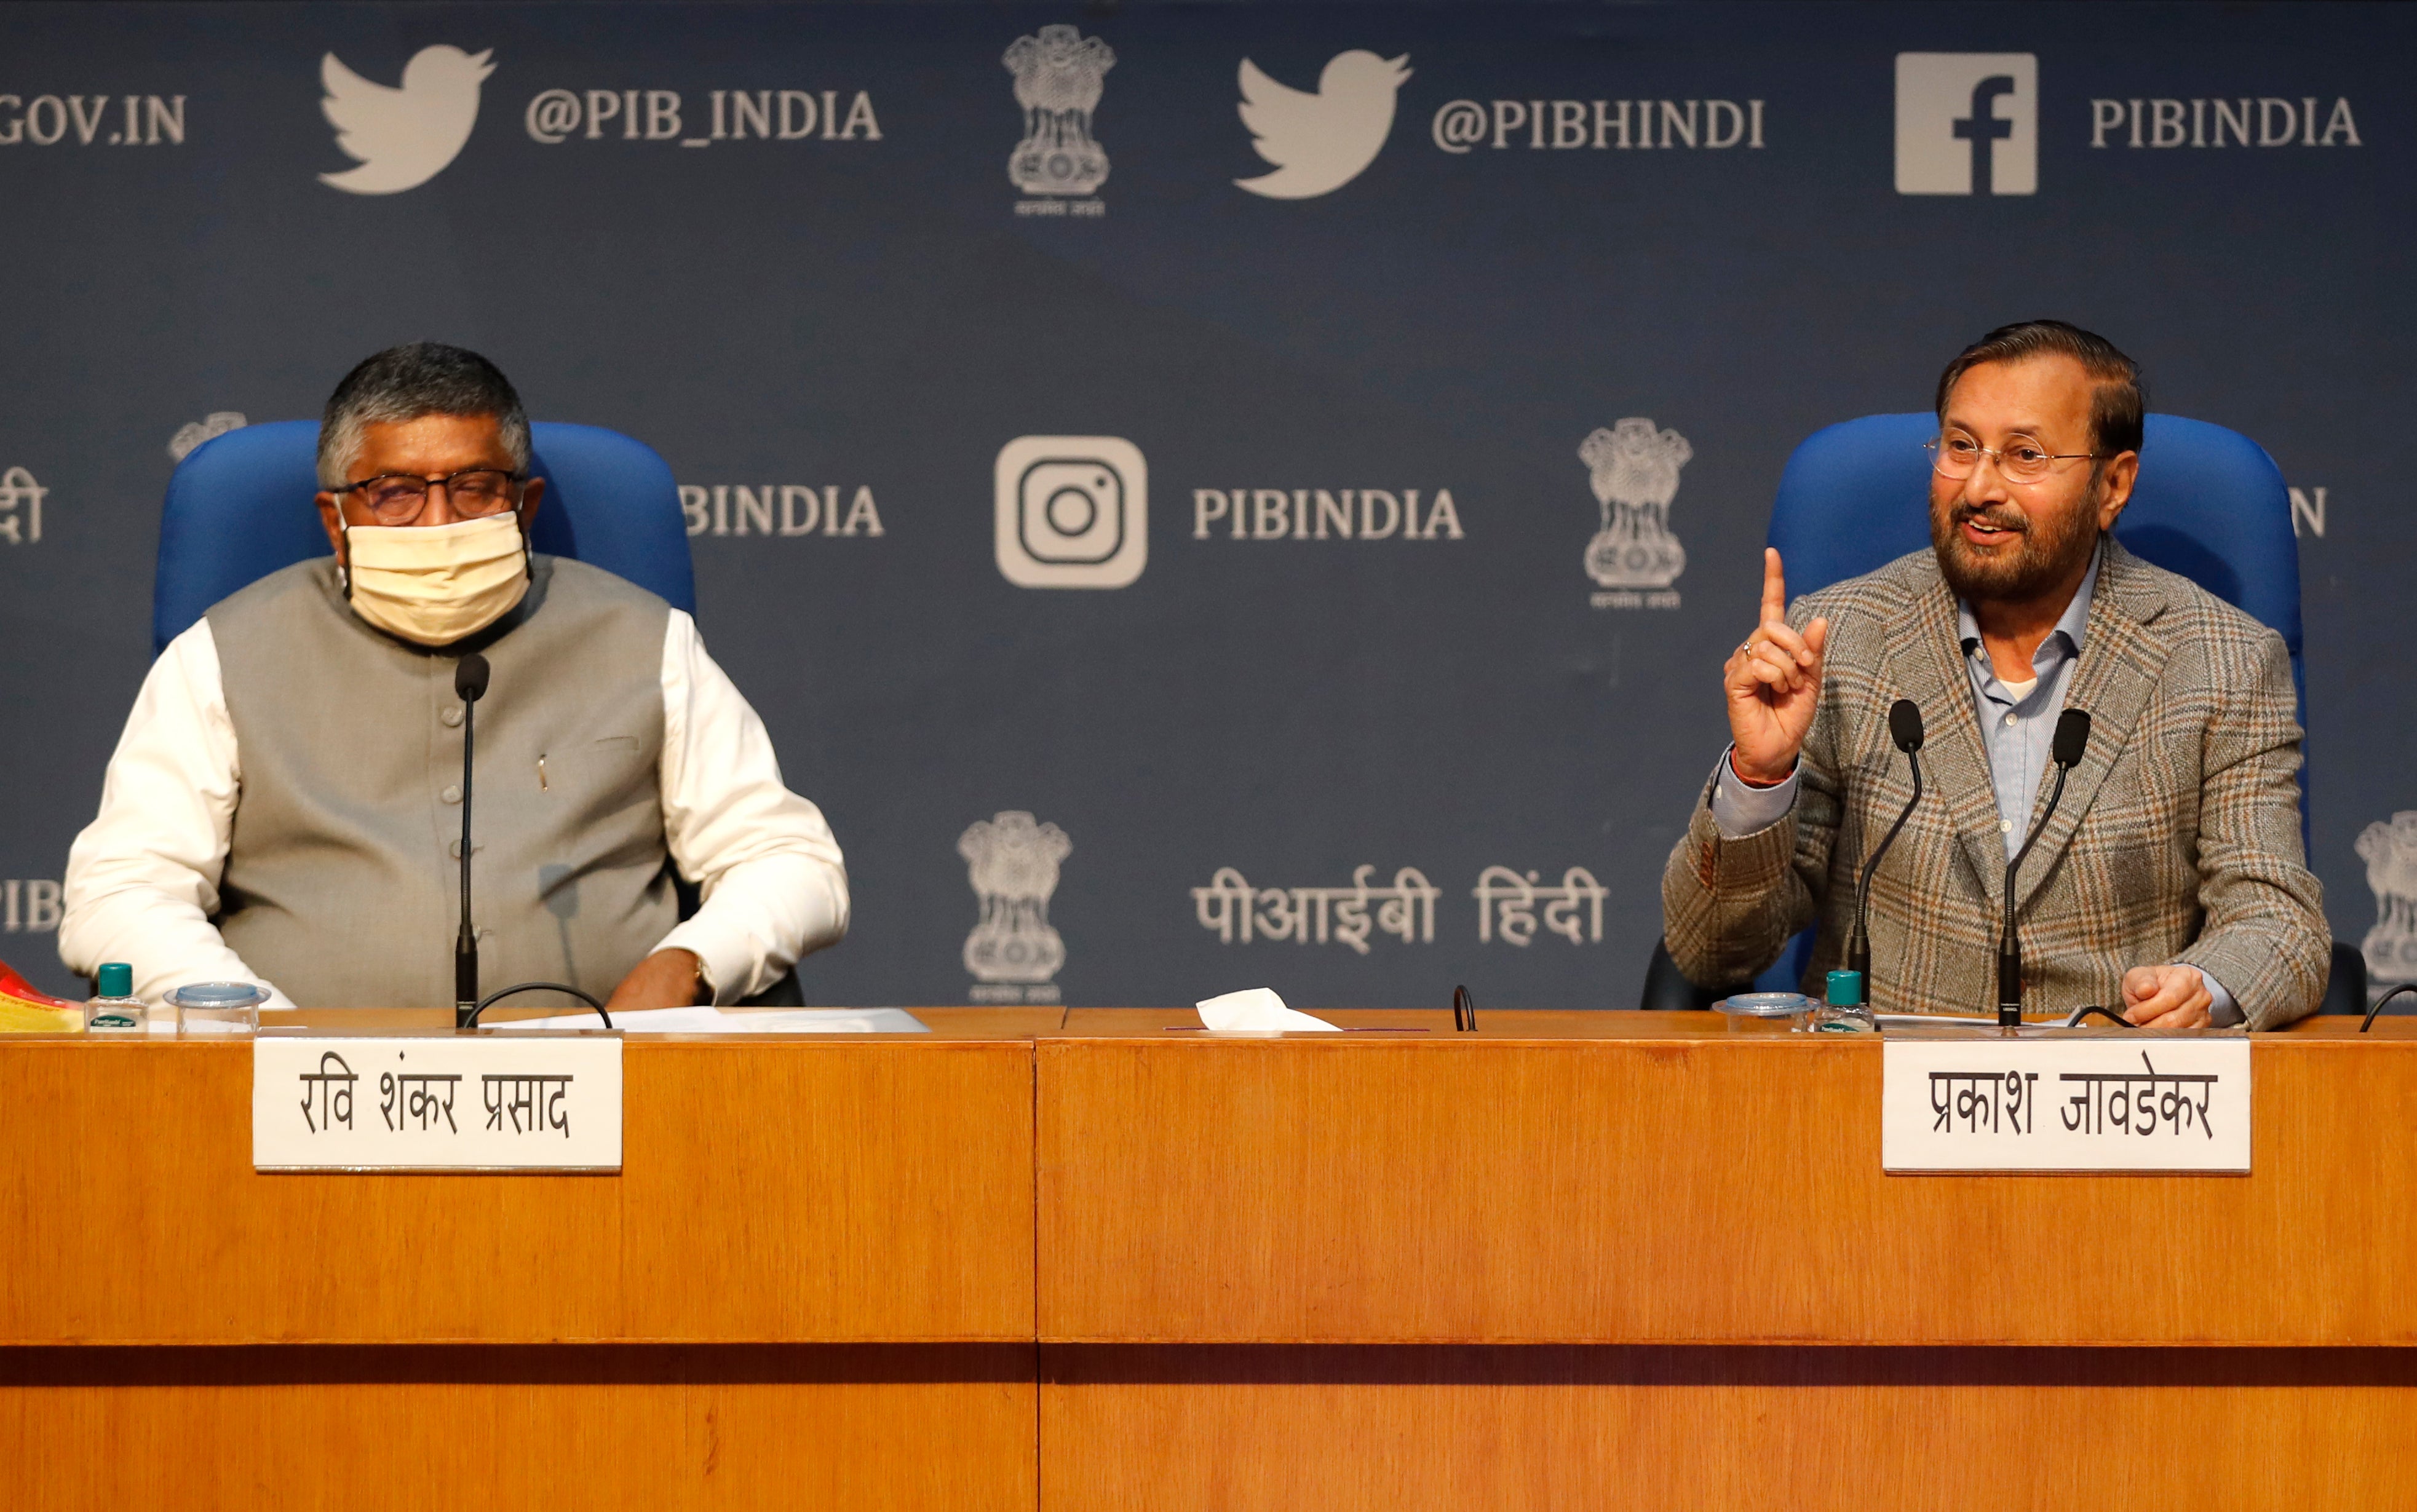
(451, 794)
(451, 717)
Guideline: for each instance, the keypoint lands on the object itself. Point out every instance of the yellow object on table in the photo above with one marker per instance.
(26, 1010)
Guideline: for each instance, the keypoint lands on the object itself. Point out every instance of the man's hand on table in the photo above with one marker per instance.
(666, 979)
(2167, 997)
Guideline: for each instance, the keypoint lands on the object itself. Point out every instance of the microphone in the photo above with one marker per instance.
(2072, 738)
(470, 682)
(1905, 728)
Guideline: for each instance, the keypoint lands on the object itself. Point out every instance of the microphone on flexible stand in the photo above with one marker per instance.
(1904, 727)
(470, 682)
(2072, 738)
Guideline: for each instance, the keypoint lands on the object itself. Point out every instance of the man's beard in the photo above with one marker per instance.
(2039, 552)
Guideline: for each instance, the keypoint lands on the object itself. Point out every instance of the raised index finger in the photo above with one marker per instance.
(1774, 586)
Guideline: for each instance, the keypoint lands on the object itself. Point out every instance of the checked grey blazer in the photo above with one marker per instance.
(2178, 838)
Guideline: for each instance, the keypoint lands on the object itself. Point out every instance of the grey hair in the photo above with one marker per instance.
(405, 383)
(2119, 399)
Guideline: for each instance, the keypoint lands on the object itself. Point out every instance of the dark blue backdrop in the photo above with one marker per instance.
(876, 305)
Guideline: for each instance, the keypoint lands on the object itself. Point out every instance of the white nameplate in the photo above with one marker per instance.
(438, 1102)
(2116, 1103)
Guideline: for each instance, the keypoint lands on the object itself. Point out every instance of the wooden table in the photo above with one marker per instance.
(810, 1286)
(1079, 1261)
(1635, 1260)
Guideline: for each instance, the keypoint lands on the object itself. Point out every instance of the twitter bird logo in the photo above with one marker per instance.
(1320, 141)
(403, 137)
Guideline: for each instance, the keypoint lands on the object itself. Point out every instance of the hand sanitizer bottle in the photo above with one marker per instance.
(1846, 1012)
(115, 1008)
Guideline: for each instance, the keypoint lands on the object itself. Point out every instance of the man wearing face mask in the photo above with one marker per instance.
(2169, 886)
(284, 805)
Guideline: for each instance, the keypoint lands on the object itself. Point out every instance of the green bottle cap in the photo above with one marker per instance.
(116, 980)
(1846, 990)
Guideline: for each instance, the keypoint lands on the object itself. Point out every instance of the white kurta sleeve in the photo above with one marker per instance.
(143, 878)
(774, 882)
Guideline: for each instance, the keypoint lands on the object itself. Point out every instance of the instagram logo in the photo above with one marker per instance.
(1074, 512)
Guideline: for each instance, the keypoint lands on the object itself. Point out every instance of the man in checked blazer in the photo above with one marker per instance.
(2170, 884)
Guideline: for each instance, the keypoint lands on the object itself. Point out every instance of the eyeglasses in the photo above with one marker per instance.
(1958, 456)
(398, 498)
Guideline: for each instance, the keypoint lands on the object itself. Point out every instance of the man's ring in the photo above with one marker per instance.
(1745, 648)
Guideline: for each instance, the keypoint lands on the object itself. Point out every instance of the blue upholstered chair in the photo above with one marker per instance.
(2210, 505)
(238, 509)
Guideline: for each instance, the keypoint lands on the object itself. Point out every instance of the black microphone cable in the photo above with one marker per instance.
(2078, 1016)
(2368, 1022)
(500, 993)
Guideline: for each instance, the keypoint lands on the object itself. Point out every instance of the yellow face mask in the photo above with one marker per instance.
(433, 585)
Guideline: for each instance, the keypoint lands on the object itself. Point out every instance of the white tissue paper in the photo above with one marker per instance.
(1256, 1010)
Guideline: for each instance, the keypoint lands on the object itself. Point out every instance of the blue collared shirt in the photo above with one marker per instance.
(2020, 731)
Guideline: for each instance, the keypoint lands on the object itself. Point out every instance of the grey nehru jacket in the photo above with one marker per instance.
(341, 881)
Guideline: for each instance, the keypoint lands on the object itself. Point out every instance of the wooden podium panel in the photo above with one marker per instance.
(1382, 1428)
(1622, 1260)
(351, 1429)
(821, 1189)
(810, 1285)
(1571, 1260)
(1661, 1184)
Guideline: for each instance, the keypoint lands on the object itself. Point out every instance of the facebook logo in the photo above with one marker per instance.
(1966, 123)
